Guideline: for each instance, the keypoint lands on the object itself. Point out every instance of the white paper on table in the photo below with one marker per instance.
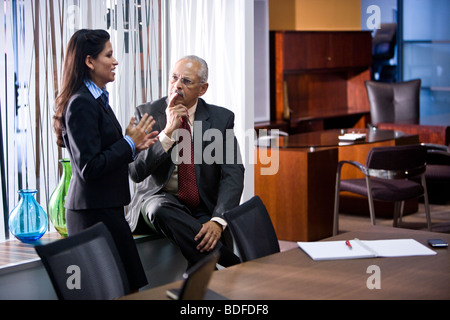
(332, 250)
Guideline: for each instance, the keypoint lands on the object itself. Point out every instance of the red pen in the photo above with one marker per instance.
(347, 242)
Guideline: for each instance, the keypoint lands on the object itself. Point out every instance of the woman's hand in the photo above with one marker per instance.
(142, 133)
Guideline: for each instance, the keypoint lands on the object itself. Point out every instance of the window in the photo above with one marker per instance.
(423, 48)
(426, 48)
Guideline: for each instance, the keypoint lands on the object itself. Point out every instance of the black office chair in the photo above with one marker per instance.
(383, 50)
(387, 174)
(437, 174)
(252, 230)
(394, 102)
(196, 280)
(85, 266)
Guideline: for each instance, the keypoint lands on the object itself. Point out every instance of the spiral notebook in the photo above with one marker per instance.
(333, 250)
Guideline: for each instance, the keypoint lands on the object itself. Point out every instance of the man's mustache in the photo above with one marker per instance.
(180, 93)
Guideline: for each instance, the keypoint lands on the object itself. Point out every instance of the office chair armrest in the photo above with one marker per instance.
(356, 164)
(444, 154)
(438, 157)
(395, 174)
(435, 146)
(383, 173)
(437, 153)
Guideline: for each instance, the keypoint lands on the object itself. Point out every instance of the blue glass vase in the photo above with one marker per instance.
(28, 221)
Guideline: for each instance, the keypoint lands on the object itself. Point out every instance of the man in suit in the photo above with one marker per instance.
(197, 228)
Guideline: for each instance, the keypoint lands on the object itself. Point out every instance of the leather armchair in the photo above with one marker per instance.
(394, 102)
(390, 175)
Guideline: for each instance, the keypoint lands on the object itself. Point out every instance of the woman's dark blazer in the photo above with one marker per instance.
(99, 154)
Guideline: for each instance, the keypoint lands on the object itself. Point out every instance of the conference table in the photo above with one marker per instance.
(293, 275)
(299, 195)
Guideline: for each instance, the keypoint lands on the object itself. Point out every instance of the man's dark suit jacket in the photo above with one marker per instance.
(99, 154)
(220, 184)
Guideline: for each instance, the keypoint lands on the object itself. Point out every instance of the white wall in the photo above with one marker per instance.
(262, 69)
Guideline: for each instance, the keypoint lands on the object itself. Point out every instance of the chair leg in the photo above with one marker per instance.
(397, 212)
(427, 213)
(402, 209)
(370, 199)
(425, 200)
(336, 205)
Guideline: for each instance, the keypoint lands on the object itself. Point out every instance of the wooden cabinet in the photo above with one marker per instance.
(299, 197)
(318, 78)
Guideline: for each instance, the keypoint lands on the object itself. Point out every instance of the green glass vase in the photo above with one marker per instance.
(56, 210)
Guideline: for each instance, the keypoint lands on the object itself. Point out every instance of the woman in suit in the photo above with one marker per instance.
(87, 127)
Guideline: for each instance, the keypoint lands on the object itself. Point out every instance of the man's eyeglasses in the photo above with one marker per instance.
(185, 81)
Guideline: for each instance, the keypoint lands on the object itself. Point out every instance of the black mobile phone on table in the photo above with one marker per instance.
(437, 243)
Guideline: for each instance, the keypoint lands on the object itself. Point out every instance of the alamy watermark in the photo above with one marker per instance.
(212, 147)
(374, 280)
(374, 20)
(74, 280)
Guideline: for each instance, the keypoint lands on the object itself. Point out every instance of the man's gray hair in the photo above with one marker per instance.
(203, 72)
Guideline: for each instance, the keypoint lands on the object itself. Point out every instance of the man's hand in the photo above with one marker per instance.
(209, 234)
(174, 113)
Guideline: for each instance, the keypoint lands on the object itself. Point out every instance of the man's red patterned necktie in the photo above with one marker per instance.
(187, 183)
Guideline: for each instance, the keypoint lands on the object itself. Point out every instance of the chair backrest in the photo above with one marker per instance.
(384, 41)
(196, 279)
(85, 266)
(410, 159)
(394, 102)
(252, 229)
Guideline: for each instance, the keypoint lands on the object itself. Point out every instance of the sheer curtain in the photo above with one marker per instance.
(32, 44)
(221, 32)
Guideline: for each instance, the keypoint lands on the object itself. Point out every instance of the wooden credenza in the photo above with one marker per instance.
(317, 79)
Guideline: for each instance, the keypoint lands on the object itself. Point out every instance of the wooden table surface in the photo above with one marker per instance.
(292, 275)
(428, 133)
(14, 252)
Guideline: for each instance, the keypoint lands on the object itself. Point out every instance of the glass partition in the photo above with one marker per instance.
(426, 48)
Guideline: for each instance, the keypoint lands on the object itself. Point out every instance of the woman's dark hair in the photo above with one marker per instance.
(83, 43)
